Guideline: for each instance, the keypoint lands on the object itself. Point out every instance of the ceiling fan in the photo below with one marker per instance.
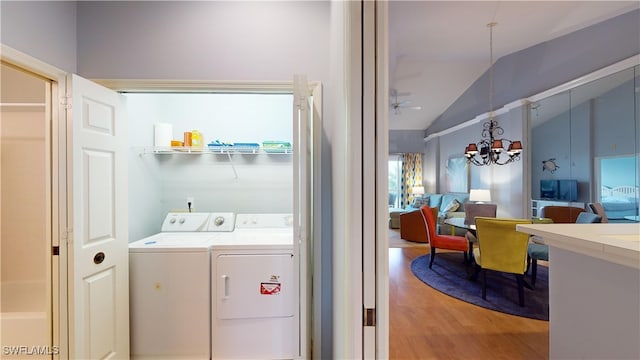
(396, 105)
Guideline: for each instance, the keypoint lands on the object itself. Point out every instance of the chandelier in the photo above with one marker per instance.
(490, 149)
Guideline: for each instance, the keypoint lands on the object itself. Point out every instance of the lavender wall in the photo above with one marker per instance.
(406, 141)
(45, 30)
(546, 65)
(204, 40)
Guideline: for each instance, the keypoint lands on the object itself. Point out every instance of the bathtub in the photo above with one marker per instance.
(25, 327)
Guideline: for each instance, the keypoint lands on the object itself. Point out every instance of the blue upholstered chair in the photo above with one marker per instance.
(536, 252)
(597, 208)
(541, 252)
(588, 218)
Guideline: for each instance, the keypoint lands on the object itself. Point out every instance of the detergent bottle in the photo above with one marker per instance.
(196, 138)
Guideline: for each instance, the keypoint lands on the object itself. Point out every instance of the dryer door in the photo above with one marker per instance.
(255, 286)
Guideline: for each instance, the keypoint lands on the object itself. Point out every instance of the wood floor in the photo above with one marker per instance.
(427, 324)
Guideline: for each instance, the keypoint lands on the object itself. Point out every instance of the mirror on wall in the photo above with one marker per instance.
(585, 146)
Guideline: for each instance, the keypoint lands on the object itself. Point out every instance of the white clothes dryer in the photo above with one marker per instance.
(169, 281)
(254, 290)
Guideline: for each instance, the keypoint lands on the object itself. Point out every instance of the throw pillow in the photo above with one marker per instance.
(452, 206)
(419, 201)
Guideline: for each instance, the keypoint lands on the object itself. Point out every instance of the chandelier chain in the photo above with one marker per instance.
(491, 25)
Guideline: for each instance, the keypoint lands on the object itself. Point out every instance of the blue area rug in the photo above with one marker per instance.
(449, 275)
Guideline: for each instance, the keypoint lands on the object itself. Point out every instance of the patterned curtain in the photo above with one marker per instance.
(411, 176)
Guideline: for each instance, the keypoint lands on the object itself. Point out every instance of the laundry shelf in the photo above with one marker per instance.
(231, 150)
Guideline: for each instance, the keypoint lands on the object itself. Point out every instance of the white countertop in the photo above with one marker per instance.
(618, 243)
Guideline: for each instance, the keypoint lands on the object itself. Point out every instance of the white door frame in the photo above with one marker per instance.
(59, 220)
(361, 243)
(382, 177)
(311, 256)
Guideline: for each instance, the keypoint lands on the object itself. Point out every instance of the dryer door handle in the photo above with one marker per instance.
(225, 280)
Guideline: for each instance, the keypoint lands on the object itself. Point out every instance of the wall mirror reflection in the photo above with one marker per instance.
(585, 145)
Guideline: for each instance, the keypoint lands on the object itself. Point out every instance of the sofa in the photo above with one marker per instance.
(449, 205)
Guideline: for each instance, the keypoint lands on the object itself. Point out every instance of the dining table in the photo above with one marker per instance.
(460, 223)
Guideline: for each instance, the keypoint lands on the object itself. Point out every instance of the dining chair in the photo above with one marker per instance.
(437, 241)
(597, 208)
(561, 214)
(541, 251)
(588, 218)
(537, 251)
(501, 248)
(471, 211)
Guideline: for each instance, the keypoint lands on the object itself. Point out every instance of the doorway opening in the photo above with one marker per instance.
(28, 277)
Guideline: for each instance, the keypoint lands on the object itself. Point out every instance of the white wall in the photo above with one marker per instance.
(23, 235)
(24, 242)
(161, 183)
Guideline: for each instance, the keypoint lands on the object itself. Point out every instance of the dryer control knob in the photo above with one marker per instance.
(172, 221)
(182, 220)
(218, 221)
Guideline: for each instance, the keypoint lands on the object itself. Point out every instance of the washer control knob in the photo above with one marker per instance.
(172, 221)
(218, 221)
(182, 220)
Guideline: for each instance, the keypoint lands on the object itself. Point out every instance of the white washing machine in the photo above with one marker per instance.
(254, 290)
(169, 281)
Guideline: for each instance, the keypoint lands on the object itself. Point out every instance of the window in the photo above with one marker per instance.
(395, 180)
(617, 188)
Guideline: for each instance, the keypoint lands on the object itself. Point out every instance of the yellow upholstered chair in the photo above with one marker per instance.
(501, 248)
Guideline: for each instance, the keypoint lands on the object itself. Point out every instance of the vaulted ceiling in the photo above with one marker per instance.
(439, 48)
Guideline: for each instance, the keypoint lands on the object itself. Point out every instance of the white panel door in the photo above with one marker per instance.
(98, 262)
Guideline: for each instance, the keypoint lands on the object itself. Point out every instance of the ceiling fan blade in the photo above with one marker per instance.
(402, 104)
(398, 108)
(396, 93)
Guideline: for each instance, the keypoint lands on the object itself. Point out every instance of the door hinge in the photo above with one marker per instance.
(65, 102)
(370, 317)
(56, 250)
(67, 236)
